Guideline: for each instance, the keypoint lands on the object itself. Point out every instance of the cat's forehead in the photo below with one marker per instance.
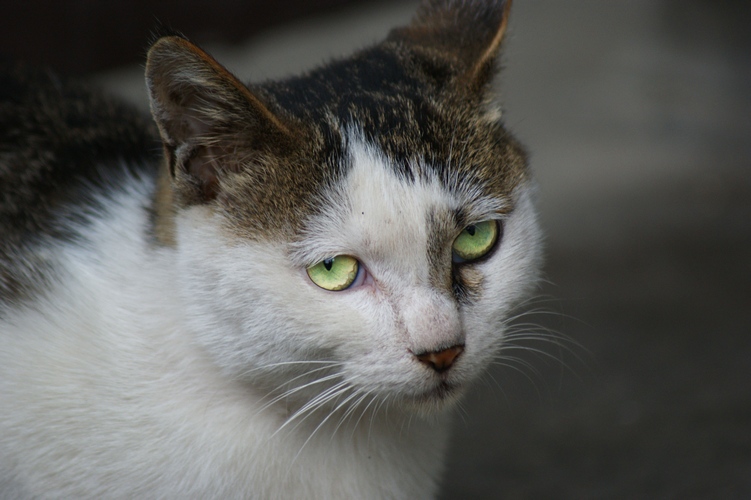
(375, 109)
(378, 213)
(407, 114)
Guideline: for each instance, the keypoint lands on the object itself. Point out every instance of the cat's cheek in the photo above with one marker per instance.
(508, 277)
(335, 321)
(240, 310)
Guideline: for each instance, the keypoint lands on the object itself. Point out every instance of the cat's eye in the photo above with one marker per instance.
(335, 273)
(475, 241)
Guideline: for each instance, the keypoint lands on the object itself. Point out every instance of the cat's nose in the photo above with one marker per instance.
(441, 360)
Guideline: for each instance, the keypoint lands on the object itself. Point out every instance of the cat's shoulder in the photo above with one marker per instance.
(57, 133)
(64, 146)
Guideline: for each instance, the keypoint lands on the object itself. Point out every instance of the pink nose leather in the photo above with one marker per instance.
(441, 360)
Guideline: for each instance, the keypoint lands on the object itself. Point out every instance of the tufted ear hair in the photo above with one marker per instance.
(466, 34)
(209, 121)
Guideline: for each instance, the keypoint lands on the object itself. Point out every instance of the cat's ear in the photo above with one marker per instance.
(209, 121)
(466, 34)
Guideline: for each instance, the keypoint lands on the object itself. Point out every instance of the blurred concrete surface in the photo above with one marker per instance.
(636, 381)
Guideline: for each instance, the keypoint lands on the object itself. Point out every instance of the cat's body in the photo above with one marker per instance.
(162, 330)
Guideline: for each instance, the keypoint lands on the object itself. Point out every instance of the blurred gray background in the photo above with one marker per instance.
(637, 115)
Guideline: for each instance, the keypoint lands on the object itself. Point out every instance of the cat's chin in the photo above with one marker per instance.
(439, 399)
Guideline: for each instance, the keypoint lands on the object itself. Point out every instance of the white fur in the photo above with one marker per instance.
(218, 370)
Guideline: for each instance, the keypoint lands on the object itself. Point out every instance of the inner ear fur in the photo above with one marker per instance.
(210, 122)
(465, 33)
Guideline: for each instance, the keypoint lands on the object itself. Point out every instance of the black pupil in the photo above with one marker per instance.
(471, 230)
(327, 263)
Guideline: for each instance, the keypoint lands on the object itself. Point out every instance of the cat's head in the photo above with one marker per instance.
(361, 231)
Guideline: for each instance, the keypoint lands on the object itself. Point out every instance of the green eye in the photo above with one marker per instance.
(336, 273)
(475, 241)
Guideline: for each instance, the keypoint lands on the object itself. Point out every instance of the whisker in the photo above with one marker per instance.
(294, 390)
(524, 309)
(321, 424)
(551, 337)
(539, 352)
(348, 412)
(530, 332)
(373, 398)
(330, 364)
(506, 362)
(501, 361)
(302, 375)
(309, 408)
(518, 365)
(383, 402)
(462, 412)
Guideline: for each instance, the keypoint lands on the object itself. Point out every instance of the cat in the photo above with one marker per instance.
(282, 299)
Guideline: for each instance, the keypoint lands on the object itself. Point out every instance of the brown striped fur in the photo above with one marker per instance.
(262, 154)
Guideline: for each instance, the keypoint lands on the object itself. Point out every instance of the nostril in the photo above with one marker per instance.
(441, 360)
